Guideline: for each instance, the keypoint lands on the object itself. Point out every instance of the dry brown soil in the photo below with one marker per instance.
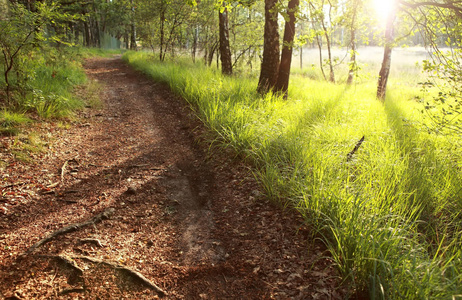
(187, 219)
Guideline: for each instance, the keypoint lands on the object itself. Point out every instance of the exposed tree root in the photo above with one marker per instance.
(127, 271)
(75, 274)
(73, 227)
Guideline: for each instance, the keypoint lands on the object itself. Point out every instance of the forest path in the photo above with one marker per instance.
(189, 221)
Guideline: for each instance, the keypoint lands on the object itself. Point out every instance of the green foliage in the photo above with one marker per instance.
(10, 121)
(444, 108)
(390, 216)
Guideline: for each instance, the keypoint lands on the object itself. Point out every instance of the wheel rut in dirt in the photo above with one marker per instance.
(186, 219)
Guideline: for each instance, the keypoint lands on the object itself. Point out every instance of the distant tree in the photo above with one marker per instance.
(225, 51)
(324, 22)
(388, 48)
(352, 16)
(270, 60)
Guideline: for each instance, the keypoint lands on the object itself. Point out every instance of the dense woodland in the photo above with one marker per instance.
(375, 171)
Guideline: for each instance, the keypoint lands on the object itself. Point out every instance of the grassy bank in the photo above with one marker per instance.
(390, 215)
(44, 86)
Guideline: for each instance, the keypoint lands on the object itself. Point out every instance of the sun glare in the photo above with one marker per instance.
(382, 8)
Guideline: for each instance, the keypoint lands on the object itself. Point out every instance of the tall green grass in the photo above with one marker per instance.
(44, 83)
(390, 216)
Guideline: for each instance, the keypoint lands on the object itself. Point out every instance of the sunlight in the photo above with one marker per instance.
(382, 8)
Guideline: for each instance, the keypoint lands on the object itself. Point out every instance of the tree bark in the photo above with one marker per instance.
(386, 63)
(270, 61)
(282, 83)
(225, 51)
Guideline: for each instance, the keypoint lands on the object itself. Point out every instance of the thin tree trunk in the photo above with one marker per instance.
(329, 53)
(352, 68)
(282, 83)
(194, 45)
(211, 53)
(321, 65)
(270, 61)
(225, 51)
(386, 63)
(162, 28)
(132, 28)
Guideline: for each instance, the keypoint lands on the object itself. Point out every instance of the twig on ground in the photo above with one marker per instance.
(13, 185)
(63, 170)
(73, 227)
(358, 144)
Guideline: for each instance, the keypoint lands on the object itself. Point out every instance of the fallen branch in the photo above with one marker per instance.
(358, 144)
(73, 227)
(63, 170)
(130, 272)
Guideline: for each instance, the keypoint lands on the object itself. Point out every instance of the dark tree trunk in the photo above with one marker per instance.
(386, 63)
(282, 83)
(87, 34)
(270, 61)
(225, 51)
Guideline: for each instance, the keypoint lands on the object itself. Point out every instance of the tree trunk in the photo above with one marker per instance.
(87, 34)
(132, 28)
(212, 50)
(321, 65)
(282, 83)
(162, 28)
(194, 45)
(353, 65)
(386, 63)
(352, 68)
(270, 61)
(225, 51)
(329, 53)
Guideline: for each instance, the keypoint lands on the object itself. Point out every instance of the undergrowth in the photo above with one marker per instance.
(43, 87)
(390, 215)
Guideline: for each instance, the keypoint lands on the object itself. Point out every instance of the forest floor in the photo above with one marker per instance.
(129, 202)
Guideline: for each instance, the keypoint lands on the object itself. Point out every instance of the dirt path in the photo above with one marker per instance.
(189, 221)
